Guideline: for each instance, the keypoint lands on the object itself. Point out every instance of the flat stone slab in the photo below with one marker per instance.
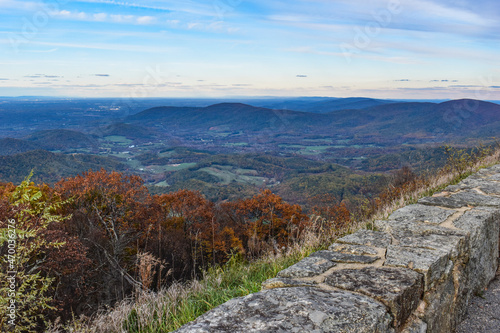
(344, 257)
(307, 267)
(300, 310)
(352, 249)
(422, 213)
(462, 199)
(492, 188)
(401, 229)
(495, 177)
(285, 283)
(368, 238)
(432, 264)
(495, 169)
(400, 289)
(488, 187)
(455, 246)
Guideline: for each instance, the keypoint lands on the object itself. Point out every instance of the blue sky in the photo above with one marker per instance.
(218, 48)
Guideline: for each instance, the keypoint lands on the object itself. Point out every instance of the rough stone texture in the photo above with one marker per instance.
(483, 225)
(416, 326)
(285, 283)
(301, 309)
(432, 264)
(451, 244)
(352, 249)
(307, 267)
(401, 229)
(422, 213)
(495, 177)
(440, 315)
(344, 257)
(462, 199)
(487, 172)
(488, 187)
(368, 238)
(399, 289)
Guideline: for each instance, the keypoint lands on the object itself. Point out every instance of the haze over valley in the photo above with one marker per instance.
(230, 149)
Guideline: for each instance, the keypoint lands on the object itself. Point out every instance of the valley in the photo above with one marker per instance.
(230, 150)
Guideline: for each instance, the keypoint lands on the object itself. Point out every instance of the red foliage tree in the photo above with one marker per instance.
(336, 214)
(268, 220)
(109, 215)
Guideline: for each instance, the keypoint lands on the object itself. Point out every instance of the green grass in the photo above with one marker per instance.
(220, 284)
(166, 154)
(181, 166)
(135, 164)
(307, 150)
(121, 140)
(236, 144)
(182, 303)
(228, 174)
(166, 168)
(319, 140)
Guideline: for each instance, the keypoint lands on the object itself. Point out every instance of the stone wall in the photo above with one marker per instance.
(416, 273)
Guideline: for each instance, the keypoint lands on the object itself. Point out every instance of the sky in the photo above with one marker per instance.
(412, 49)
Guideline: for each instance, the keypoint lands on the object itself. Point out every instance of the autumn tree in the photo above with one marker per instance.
(26, 289)
(186, 219)
(333, 214)
(268, 219)
(109, 213)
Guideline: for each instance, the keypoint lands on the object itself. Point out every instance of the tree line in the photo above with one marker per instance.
(94, 239)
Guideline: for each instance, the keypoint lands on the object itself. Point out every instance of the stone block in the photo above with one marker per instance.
(440, 314)
(432, 264)
(367, 238)
(307, 267)
(301, 309)
(400, 289)
(352, 249)
(422, 213)
(488, 187)
(462, 199)
(483, 225)
(344, 257)
(494, 177)
(455, 246)
(285, 283)
(402, 228)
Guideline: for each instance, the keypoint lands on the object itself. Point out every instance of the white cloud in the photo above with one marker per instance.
(104, 17)
(185, 6)
(146, 19)
(435, 10)
(100, 17)
(193, 25)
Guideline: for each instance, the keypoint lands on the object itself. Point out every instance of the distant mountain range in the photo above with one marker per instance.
(380, 122)
(414, 121)
(58, 138)
(323, 105)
